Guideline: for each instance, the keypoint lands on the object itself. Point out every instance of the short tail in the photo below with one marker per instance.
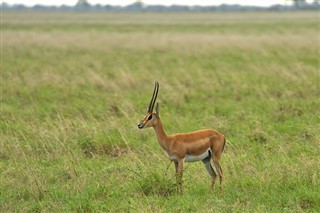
(224, 143)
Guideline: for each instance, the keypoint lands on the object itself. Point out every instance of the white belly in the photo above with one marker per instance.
(192, 158)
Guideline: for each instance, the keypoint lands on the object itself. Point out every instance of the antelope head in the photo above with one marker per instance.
(151, 118)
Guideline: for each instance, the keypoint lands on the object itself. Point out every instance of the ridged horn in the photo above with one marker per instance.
(154, 96)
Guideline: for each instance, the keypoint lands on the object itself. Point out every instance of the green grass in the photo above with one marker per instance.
(75, 85)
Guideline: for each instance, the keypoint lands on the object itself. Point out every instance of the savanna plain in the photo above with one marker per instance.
(74, 85)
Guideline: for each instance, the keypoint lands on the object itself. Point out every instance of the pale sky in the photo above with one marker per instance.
(151, 2)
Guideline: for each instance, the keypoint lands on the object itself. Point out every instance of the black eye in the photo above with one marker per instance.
(150, 117)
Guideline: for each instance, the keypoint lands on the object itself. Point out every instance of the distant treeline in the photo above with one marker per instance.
(140, 7)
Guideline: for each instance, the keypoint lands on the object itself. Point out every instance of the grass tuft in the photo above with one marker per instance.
(155, 183)
(92, 147)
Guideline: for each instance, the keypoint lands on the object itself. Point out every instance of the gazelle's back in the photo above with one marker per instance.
(199, 135)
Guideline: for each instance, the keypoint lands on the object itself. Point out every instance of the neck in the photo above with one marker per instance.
(161, 135)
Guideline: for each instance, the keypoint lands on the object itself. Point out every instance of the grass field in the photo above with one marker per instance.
(75, 85)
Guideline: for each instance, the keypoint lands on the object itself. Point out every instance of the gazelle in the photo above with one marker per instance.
(201, 145)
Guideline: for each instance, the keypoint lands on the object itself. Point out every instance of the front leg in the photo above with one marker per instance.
(176, 166)
(179, 173)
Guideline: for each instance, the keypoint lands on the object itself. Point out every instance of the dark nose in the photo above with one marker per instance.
(140, 126)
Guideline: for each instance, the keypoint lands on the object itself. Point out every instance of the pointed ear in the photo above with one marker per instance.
(157, 108)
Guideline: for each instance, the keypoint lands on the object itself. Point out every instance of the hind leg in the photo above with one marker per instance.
(207, 165)
(211, 172)
(216, 162)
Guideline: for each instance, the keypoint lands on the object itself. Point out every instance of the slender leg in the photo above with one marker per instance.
(179, 175)
(219, 170)
(176, 166)
(211, 172)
